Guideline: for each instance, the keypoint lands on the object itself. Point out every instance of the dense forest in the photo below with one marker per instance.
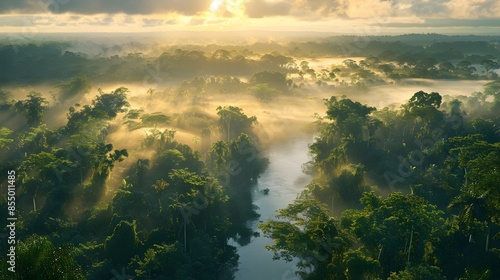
(440, 163)
(442, 57)
(145, 164)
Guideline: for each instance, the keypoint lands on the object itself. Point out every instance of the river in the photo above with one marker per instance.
(284, 179)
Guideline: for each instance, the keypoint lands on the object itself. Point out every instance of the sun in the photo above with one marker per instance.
(215, 5)
(235, 8)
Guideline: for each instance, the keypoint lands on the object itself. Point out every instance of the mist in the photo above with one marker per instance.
(215, 156)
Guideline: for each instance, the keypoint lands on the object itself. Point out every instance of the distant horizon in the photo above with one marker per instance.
(258, 31)
(309, 33)
(370, 17)
(259, 35)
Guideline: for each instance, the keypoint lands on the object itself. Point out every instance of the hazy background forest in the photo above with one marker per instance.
(143, 158)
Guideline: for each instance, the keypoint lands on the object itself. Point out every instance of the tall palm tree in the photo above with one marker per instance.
(176, 205)
(473, 208)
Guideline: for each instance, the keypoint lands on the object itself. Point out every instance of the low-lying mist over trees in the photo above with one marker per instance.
(143, 159)
(408, 56)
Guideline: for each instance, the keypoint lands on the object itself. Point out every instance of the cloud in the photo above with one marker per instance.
(354, 9)
(186, 7)
(128, 20)
(13, 5)
(227, 8)
(493, 22)
(98, 20)
(474, 8)
(463, 9)
(378, 9)
(331, 15)
(197, 21)
(327, 7)
(310, 9)
(152, 22)
(35, 22)
(17, 21)
(425, 8)
(263, 8)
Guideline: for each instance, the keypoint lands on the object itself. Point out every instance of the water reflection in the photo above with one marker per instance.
(284, 179)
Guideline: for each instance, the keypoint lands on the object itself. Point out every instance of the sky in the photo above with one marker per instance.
(356, 17)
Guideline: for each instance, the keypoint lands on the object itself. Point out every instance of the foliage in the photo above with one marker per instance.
(4, 133)
(105, 106)
(308, 233)
(146, 120)
(38, 258)
(264, 93)
(76, 88)
(233, 121)
(166, 211)
(421, 272)
(121, 246)
(33, 108)
(439, 153)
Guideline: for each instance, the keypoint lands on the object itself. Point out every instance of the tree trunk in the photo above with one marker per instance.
(332, 205)
(487, 239)
(465, 175)
(185, 241)
(368, 141)
(409, 247)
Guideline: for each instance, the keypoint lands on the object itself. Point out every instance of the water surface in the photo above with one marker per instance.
(285, 180)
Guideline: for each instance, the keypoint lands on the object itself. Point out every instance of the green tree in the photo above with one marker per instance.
(247, 163)
(4, 133)
(489, 65)
(273, 79)
(193, 200)
(122, 245)
(104, 107)
(43, 171)
(480, 162)
(306, 231)
(446, 68)
(76, 88)
(33, 108)
(233, 121)
(420, 272)
(135, 119)
(422, 110)
(263, 92)
(102, 160)
(488, 128)
(478, 200)
(38, 258)
(5, 99)
(350, 184)
(360, 266)
(161, 260)
(465, 69)
(35, 140)
(346, 137)
(412, 223)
